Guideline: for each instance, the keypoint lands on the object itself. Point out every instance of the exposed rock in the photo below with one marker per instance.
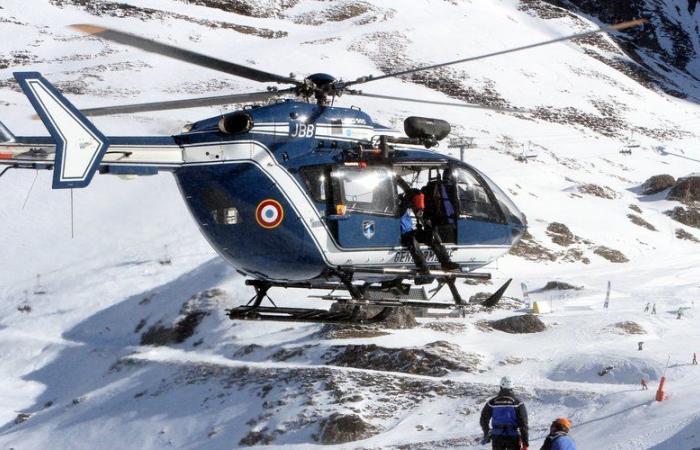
(686, 190)
(575, 254)
(538, 8)
(636, 209)
(342, 428)
(479, 297)
(255, 438)
(398, 318)
(598, 191)
(610, 254)
(285, 354)
(686, 216)
(560, 234)
(390, 52)
(104, 8)
(657, 183)
(362, 12)
(258, 9)
(192, 312)
(627, 328)
(527, 323)
(609, 123)
(435, 359)
(343, 331)
(532, 250)
(512, 360)
(682, 234)
(446, 327)
(635, 219)
(560, 286)
(247, 350)
(22, 417)
(665, 37)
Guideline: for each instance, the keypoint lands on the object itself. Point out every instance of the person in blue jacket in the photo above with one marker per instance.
(504, 420)
(558, 438)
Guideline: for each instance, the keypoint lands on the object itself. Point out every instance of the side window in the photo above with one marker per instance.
(474, 201)
(315, 180)
(369, 190)
(220, 206)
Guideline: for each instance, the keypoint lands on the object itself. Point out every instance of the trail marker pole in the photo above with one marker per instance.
(660, 394)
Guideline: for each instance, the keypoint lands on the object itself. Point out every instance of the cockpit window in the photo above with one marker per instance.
(474, 201)
(369, 190)
(315, 180)
(515, 216)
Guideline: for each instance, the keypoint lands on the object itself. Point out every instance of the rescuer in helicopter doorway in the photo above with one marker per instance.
(417, 228)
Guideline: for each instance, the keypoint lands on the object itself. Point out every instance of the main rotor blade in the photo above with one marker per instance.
(183, 55)
(619, 26)
(432, 102)
(185, 103)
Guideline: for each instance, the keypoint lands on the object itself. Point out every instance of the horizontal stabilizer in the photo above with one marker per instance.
(79, 145)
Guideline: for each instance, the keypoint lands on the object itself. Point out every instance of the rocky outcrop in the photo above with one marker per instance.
(343, 428)
(560, 234)
(628, 327)
(657, 183)
(560, 286)
(635, 219)
(532, 250)
(686, 216)
(684, 235)
(192, 312)
(435, 359)
(686, 190)
(668, 36)
(610, 254)
(527, 323)
(597, 191)
(398, 318)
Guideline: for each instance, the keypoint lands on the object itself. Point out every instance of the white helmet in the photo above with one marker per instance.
(506, 383)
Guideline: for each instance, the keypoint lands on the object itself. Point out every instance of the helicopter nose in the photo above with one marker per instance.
(517, 231)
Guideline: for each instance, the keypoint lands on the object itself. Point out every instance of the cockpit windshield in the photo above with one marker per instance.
(474, 200)
(513, 214)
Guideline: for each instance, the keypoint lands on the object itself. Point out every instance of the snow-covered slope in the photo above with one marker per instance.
(73, 358)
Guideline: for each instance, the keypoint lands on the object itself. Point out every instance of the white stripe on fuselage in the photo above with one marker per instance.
(254, 152)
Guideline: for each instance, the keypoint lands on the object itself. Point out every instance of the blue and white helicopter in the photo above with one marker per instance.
(295, 193)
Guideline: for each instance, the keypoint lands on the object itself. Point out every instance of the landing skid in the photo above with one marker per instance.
(359, 298)
(279, 314)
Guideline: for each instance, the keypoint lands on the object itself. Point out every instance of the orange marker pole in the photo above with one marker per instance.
(660, 394)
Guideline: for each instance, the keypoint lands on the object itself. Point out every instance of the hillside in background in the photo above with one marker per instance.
(125, 352)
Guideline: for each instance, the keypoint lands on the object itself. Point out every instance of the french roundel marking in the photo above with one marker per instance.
(269, 213)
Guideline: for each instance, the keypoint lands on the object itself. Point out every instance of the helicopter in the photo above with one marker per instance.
(295, 192)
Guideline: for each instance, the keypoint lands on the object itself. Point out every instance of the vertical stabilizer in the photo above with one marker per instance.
(79, 145)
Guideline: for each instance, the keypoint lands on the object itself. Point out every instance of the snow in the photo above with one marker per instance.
(78, 349)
